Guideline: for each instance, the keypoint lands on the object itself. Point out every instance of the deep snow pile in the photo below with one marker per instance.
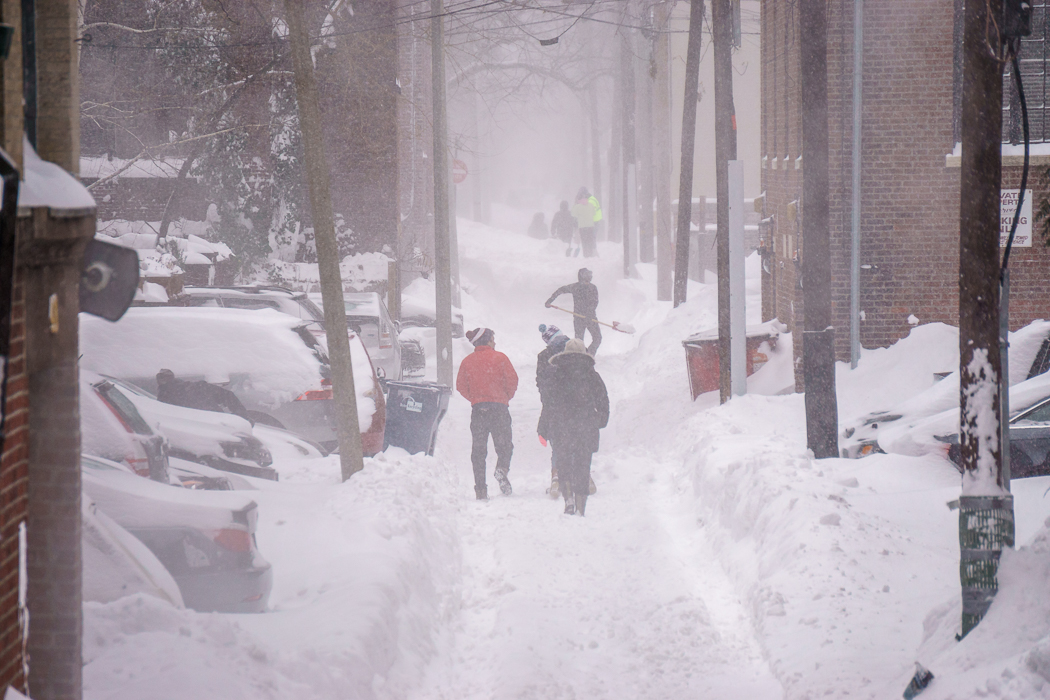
(717, 560)
(361, 574)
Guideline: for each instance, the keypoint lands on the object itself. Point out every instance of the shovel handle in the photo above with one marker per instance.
(614, 325)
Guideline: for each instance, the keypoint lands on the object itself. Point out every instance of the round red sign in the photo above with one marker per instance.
(459, 171)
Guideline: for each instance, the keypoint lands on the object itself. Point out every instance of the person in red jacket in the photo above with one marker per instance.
(487, 379)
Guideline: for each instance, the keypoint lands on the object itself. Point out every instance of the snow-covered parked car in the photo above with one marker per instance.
(112, 427)
(367, 316)
(219, 440)
(206, 540)
(413, 356)
(879, 430)
(269, 360)
(1029, 431)
(116, 564)
(286, 301)
(418, 308)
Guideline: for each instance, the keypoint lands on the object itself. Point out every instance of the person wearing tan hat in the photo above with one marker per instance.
(487, 379)
(576, 410)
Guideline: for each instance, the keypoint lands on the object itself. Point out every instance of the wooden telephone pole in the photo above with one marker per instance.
(348, 429)
(725, 151)
(662, 152)
(986, 522)
(818, 340)
(685, 188)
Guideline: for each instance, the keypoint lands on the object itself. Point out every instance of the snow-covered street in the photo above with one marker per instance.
(717, 559)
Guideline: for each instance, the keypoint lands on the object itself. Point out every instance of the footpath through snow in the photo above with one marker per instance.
(717, 560)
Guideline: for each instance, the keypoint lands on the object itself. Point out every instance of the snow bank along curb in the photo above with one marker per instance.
(381, 548)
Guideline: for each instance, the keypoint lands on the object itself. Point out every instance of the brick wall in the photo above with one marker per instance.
(14, 474)
(910, 196)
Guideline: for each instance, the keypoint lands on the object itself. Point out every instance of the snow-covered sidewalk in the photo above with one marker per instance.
(717, 560)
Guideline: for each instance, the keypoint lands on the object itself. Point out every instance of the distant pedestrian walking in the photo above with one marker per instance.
(585, 211)
(598, 223)
(585, 304)
(576, 410)
(538, 227)
(555, 342)
(563, 226)
(487, 379)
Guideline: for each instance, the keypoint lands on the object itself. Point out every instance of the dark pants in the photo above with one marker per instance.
(574, 469)
(490, 419)
(590, 245)
(588, 324)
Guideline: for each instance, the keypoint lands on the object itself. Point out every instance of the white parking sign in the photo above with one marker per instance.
(1007, 207)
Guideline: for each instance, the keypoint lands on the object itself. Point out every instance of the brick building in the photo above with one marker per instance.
(909, 199)
(43, 236)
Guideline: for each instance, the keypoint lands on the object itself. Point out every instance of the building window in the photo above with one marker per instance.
(1034, 58)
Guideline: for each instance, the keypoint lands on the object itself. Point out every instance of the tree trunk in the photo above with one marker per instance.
(344, 394)
(442, 244)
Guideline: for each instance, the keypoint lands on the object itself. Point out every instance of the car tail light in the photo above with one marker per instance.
(234, 540)
(316, 395)
(139, 465)
(384, 341)
(253, 598)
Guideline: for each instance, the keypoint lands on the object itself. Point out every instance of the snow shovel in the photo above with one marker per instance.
(615, 325)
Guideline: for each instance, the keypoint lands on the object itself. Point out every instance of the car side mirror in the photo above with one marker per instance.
(380, 372)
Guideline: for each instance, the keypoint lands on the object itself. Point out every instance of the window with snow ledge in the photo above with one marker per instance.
(1034, 59)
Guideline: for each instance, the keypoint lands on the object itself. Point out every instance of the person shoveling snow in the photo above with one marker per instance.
(584, 305)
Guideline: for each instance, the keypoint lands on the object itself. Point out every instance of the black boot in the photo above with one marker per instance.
(570, 502)
(482, 492)
(581, 503)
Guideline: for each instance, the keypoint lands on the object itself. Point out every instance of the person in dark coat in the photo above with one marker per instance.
(585, 304)
(555, 342)
(563, 226)
(538, 227)
(199, 394)
(577, 409)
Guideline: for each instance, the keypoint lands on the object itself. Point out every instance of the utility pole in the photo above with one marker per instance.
(344, 395)
(725, 151)
(685, 188)
(818, 340)
(644, 109)
(442, 254)
(613, 226)
(630, 157)
(986, 523)
(662, 147)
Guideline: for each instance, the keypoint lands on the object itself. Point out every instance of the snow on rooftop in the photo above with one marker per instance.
(98, 167)
(47, 185)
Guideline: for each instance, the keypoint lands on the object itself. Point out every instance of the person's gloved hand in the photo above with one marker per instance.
(547, 303)
(543, 440)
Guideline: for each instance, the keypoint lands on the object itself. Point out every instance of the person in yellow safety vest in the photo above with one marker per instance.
(588, 235)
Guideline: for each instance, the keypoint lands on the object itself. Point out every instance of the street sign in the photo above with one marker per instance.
(459, 171)
(1007, 207)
